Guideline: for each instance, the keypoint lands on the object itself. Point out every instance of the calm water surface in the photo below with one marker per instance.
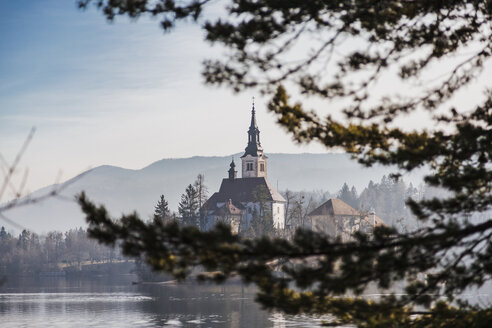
(115, 302)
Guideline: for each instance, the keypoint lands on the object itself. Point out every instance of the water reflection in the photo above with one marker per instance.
(61, 302)
(207, 306)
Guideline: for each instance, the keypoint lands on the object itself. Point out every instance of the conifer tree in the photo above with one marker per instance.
(3, 233)
(349, 196)
(262, 221)
(188, 206)
(161, 210)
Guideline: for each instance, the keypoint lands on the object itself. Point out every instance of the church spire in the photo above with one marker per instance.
(254, 146)
(253, 118)
(253, 161)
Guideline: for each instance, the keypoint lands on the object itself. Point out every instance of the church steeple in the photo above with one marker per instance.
(253, 125)
(253, 159)
(254, 146)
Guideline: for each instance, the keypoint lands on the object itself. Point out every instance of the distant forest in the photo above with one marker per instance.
(386, 198)
(55, 252)
(72, 251)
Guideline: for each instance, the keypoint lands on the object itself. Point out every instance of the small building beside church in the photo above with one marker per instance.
(338, 219)
(240, 199)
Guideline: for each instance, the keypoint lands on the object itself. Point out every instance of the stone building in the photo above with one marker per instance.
(239, 197)
(338, 219)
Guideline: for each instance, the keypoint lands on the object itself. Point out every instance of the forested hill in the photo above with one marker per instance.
(124, 190)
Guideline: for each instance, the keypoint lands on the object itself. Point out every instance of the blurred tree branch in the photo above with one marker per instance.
(19, 199)
(274, 45)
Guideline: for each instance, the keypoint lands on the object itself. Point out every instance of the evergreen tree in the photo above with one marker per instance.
(188, 206)
(24, 240)
(261, 225)
(354, 197)
(349, 196)
(161, 210)
(262, 221)
(3, 234)
(344, 193)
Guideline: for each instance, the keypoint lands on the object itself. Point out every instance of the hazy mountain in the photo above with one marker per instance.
(123, 190)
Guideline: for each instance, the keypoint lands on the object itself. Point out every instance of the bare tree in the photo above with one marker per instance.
(298, 215)
(201, 189)
(289, 196)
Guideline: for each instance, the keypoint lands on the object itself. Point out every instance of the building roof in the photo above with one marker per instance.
(337, 207)
(228, 209)
(243, 191)
(334, 206)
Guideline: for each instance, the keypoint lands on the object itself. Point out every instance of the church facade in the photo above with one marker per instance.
(239, 200)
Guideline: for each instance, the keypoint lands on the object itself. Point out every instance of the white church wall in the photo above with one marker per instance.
(278, 215)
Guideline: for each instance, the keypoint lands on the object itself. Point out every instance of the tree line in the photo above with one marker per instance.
(30, 253)
(387, 198)
(192, 200)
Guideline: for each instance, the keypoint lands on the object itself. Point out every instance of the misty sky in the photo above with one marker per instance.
(126, 94)
(122, 94)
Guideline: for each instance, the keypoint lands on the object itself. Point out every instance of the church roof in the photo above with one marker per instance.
(210, 204)
(334, 206)
(242, 190)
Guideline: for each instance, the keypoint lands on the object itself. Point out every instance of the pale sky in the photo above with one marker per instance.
(122, 94)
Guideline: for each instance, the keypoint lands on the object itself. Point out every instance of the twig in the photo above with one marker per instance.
(11, 222)
(17, 159)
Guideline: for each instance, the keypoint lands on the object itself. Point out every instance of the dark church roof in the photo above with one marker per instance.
(242, 190)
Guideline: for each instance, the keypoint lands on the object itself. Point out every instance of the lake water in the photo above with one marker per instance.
(115, 302)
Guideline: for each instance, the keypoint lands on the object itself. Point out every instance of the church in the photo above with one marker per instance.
(237, 201)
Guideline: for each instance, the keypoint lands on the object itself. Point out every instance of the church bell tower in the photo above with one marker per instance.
(254, 162)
